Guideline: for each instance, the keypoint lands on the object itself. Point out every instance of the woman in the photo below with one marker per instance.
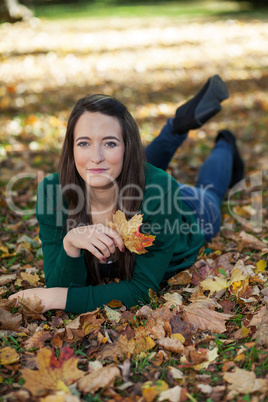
(102, 169)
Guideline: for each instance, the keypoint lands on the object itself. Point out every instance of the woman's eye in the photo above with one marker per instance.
(82, 144)
(110, 144)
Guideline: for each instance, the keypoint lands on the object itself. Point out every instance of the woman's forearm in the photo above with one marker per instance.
(51, 298)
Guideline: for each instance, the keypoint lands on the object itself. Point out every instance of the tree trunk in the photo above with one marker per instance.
(12, 11)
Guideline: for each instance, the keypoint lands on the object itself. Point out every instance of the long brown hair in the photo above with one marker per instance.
(131, 177)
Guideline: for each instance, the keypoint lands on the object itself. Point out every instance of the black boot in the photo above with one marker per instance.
(202, 107)
(238, 164)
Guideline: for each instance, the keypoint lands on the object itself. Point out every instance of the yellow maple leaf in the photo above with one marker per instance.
(52, 373)
(260, 266)
(133, 240)
(215, 284)
(33, 279)
(8, 355)
(236, 276)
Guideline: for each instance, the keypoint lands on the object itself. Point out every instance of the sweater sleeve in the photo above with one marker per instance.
(60, 269)
(148, 272)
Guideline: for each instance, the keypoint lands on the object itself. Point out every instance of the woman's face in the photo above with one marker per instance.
(98, 149)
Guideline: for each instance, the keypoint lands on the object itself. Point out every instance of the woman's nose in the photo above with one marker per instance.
(97, 155)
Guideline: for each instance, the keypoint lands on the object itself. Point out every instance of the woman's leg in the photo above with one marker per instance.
(161, 150)
(191, 115)
(220, 171)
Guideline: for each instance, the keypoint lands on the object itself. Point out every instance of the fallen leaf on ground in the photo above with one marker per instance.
(32, 309)
(172, 394)
(150, 389)
(172, 299)
(10, 321)
(37, 340)
(52, 374)
(112, 315)
(182, 278)
(101, 378)
(33, 279)
(261, 335)
(176, 373)
(8, 355)
(5, 279)
(143, 345)
(124, 347)
(244, 382)
(260, 266)
(246, 240)
(174, 345)
(214, 284)
(204, 318)
(202, 270)
(260, 317)
(129, 232)
(211, 357)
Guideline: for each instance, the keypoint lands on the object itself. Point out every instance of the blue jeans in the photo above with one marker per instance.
(213, 180)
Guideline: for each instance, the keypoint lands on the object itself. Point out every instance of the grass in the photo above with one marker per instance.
(189, 9)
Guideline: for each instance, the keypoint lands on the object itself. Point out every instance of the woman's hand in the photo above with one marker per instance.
(51, 298)
(98, 239)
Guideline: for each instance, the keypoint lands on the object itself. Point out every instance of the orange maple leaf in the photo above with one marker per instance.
(53, 374)
(129, 232)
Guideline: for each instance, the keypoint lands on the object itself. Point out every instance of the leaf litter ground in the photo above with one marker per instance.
(204, 337)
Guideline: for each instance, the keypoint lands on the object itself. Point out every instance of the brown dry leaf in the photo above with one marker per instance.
(8, 355)
(124, 347)
(260, 317)
(244, 382)
(143, 345)
(182, 278)
(84, 324)
(112, 315)
(204, 318)
(201, 271)
(37, 340)
(241, 333)
(224, 262)
(5, 279)
(10, 321)
(115, 304)
(176, 373)
(211, 357)
(150, 389)
(180, 327)
(129, 232)
(172, 299)
(32, 309)
(53, 374)
(33, 279)
(162, 313)
(171, 395)
(174, 345)
(101, 378)
(151, 327)
(3, 290)
(261, 335)
(246, 240)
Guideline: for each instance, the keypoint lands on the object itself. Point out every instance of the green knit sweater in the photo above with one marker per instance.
(178, 240)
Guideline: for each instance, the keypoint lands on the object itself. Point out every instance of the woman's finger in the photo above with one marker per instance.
(113, 235)
(96, 252)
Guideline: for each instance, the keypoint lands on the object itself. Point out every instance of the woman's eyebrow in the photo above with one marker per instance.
(109, 137)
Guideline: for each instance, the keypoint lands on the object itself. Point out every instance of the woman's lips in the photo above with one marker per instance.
(96, 171)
